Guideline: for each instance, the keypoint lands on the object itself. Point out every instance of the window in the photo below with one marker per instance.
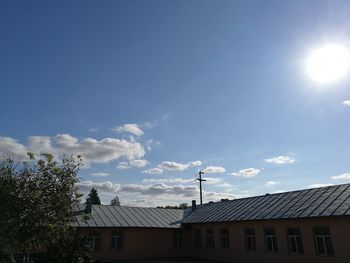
(210, 238)
(249, 237)
(224, 238)
(95, 243)
(271, 240)
(197, 238)
(295, 244)
(323, 241)
(178, 239)
(116, 240)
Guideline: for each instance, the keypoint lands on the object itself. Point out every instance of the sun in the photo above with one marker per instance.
(328, 63)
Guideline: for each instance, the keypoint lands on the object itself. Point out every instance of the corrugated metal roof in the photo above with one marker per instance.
(317, 202)
(124, 216)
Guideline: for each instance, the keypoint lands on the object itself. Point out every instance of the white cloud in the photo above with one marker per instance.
(155, 170)
(149, 124)
(107, 186)
(162, 190)
(171, 166)
(217, 196)
(100, 174)
(93, 129)
(138, 163)
(150, 143)
(213, 180)
(318, 185)
(11, 146)
(174, 166)
(91, 150)
(249, 172)
(122, 165)
(153, 194)
(214, 169)
(341, 176)
(169, 180)
(195, 163)
(130, 128)
(346, 102)
(271, 183)
(209, 181)
(159, 189)
(42, 144)
(280, 160)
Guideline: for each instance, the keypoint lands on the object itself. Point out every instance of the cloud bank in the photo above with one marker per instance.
(172, 166)
(91, 150)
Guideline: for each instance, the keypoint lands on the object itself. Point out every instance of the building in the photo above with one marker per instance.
(311, 225)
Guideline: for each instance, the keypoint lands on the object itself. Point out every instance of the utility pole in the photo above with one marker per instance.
(200, 185)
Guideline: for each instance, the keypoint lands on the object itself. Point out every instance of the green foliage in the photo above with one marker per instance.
(115, 201)
(93, 198)
(69, 248)
(36, 201)
(181, 206)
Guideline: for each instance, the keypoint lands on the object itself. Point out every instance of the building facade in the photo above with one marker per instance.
(310, 225)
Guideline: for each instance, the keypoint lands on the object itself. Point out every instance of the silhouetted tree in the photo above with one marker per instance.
(93, 198)
(115, 201)
(181, 206)
(36, 205)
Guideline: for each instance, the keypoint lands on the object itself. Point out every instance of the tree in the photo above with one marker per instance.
(181, 206)
(93, 198)
(36, 205)
(115, 201)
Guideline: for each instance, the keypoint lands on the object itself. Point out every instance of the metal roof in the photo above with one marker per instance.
(316, 202)
(124, 216)
(309, 203)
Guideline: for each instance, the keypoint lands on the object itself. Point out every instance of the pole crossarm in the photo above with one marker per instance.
(200, 179)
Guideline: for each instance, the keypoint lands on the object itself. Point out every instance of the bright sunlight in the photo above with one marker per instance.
(328, 63)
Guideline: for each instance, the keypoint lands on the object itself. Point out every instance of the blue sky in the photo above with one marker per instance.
(177, 86)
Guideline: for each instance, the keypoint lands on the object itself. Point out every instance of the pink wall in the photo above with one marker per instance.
(138, 243)
(144, 243)
(340, 233)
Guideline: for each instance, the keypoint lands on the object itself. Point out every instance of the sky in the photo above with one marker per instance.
(151, 92)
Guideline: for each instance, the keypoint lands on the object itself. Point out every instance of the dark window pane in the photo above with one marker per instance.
(320, 246)
(97, 243)
(253, 243)
(275, 246)
(300, 245)
(329, 246)
(269, 231)
(322, 231)
(113, 241)
(294, 231)
(293, 245)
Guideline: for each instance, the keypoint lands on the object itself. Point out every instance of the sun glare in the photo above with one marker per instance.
(328, 63)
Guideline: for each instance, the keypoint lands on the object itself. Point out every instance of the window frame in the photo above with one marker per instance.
(118, 235)
(178, 238)
(210, 237)
(250, 239)
(224, 238)
(299, 246)
(272, 238)
(329, 251)
(197, 238)
(92, 240)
